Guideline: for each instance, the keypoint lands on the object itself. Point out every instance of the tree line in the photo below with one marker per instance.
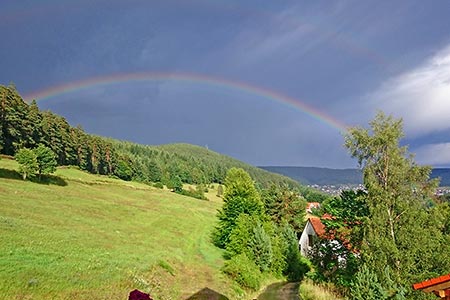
(258, 231)
(25, 126)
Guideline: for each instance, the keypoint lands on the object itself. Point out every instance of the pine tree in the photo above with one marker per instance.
(240, 197)
(154, 171)
(260, 247)
(16, 128)
(281, 204)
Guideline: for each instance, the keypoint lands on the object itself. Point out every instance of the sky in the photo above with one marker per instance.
(266, 82)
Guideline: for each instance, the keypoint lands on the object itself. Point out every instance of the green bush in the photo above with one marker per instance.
(158, 185)
(219, 190)
(279, 263)
(297, 265)
(244, 271)
(123, 170)
(192, 193)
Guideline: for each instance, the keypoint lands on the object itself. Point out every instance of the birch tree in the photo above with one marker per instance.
(400, 231)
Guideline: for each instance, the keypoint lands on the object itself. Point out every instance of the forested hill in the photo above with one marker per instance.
(192, 164)
(326, 176)
(222, 162)
(24, 125)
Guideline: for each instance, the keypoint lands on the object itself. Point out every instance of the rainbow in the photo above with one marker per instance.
(189, 78)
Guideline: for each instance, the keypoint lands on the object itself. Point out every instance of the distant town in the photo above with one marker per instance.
(336, 190)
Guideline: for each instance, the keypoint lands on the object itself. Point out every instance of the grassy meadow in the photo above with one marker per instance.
(82, 236)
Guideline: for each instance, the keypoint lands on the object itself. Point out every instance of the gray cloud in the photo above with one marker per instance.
(434, 154)
(420, 96)
(328, 56)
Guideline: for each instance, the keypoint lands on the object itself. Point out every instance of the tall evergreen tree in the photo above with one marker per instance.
(283, 204)
(16, 128)
(240, 197)
(154, 171)
(35, 119)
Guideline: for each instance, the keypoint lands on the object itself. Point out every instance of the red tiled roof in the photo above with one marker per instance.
(321, 231)
(318, 226)
(431, 282)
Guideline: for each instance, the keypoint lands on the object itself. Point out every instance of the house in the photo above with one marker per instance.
(439, 286)
(312, 205)
(314, 229)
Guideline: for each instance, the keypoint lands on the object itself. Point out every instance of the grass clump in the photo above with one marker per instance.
(310, 291)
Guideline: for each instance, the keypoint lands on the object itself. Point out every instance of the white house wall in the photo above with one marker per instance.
(304, 238)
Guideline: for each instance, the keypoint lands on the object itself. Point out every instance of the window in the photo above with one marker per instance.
(310, 240)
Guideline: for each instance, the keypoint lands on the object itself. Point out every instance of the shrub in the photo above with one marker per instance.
(158, 185)
(219, 190)
(198, 194)
(279, 263)
(244, 271)
(297, 265)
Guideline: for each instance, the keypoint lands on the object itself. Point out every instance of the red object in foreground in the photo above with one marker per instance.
(440, 286)
(138, 295)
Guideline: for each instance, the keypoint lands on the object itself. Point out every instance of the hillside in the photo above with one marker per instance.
(443, 174)
(24, 125)
(82, 235)
(222, 162)
(193, 164)
(326, 176)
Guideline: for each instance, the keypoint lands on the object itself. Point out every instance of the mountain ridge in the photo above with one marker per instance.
(330, 176)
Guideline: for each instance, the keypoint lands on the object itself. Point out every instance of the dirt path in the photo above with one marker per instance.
(281, 291)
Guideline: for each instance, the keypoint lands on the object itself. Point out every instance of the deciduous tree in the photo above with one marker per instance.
(46, 160)
(28, 165)
(400, 231)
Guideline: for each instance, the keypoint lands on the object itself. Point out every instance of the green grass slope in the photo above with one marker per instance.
(90, 237)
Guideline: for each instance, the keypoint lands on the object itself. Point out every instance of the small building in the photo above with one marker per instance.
(440, 286)
(314, 229)
(312, 205)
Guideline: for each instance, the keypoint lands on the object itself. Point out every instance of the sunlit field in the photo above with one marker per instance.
(81, 236)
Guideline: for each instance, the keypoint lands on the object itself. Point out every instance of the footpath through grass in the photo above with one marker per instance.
(90, 237)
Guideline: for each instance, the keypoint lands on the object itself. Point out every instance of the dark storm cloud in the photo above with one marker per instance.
(344, 58)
